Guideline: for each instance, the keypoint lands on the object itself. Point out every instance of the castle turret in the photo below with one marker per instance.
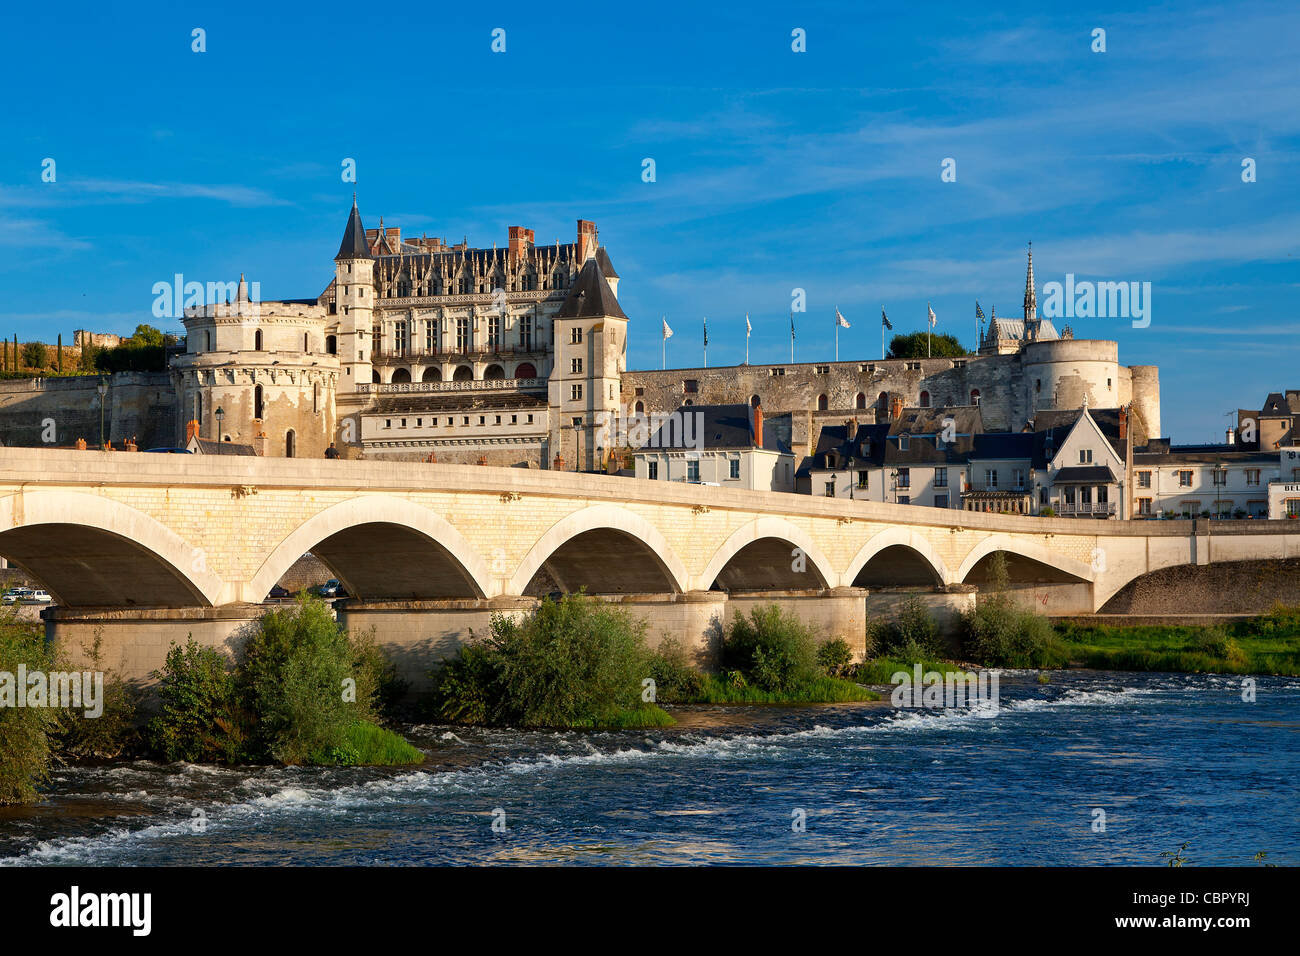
(1031, 298)
(354, 278)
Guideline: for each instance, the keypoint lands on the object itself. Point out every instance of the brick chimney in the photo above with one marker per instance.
(191, 430)
(81, 444)
(558, 464)
(521, 240)
(482, 459)
(1123, 424)
(586, 240)
(758, 426)
(895, 408)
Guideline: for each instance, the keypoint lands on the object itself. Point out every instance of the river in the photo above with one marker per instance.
(1168, 758)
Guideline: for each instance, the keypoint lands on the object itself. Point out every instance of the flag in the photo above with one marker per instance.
(979, 313)
(840, 320)
(668, 333)
(791, 326)
(706, 332)
(932, 318)
(884, 320)
(748, 328)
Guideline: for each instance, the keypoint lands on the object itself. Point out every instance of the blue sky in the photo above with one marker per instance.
(775, 170)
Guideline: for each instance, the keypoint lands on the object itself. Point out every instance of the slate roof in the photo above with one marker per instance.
(1000, 328)
(724, 427)
(210, 446)
(606, 267)
(1107, 420)
(354, 245)
(590, 297)
(1084, 474)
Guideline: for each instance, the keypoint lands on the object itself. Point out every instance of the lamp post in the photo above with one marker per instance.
(102, 388)
(220, 414)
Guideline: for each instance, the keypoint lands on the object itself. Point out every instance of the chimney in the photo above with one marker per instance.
(191, 430)
(558, 464)
(81, 444)
(895, 408)
(1123, 424)
(758, 426)
(482, 459)
(521, 240)
(586, 240)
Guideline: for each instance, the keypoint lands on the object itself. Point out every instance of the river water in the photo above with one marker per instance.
(1168, 758)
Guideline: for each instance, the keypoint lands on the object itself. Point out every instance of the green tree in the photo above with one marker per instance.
(147, 335)
(913, 345)
(35, 355)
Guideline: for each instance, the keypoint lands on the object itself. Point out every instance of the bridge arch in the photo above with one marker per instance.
(602, 523)
(93, 551)
(364, 539)
(897, 537)
(1025, 548)
(771, 528)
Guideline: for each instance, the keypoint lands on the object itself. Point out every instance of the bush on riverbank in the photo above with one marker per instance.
(304, 691)
(572, 663)
(27, 734)
(998, 632)
(913, 635)
(772, 657)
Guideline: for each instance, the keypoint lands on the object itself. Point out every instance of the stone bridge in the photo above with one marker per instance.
(145, 549)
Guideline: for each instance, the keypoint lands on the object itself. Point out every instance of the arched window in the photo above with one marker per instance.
(401, 375)
(860, 401)
(925, 399)
(640, 408)
(822, 403)
(882, 400)
(431, 375)
(374, 377)
(754, 401)
(306, 342)
(331, 345)
(209, 341)
(463, 373)
(257, 341)
(494, 372)
(289, 443)
(974, 396)
(259, 407)
(525, 370)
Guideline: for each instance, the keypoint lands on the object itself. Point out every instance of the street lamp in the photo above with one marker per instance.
(102, 388)
(220, 414)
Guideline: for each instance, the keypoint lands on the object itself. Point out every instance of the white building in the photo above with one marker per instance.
(726, 445)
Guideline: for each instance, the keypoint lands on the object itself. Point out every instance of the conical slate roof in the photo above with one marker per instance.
(354, 245)
(591, 297)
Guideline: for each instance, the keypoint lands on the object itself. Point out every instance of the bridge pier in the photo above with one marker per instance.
(828, 613)
(134, 641)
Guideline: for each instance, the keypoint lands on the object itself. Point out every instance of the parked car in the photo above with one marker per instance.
(39, 596)
(330, 588)
(277, 593)
(16, 595)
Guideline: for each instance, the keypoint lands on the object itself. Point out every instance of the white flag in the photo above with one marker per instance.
(932, 319)
(840, 320)
(748, 328)
(668, 333)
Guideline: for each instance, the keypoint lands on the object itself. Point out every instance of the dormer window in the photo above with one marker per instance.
(903, 442)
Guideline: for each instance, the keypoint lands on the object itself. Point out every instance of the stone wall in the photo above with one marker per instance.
(1237, 587)
(142, 404)
(1059, 374)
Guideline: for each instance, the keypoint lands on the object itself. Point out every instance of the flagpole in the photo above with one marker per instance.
(882, 331)
(792, 336)
(837, 334)
(664, 343)
(746, 338)
(706, 341)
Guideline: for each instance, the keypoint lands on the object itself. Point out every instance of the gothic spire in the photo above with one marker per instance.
(1031, 299)
(354, 245)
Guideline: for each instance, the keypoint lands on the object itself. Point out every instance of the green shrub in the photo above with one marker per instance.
(300, 677)
(576, 662)
(998, 632)
(201, 718)
(772, 649)
(111, 734)
(26, 733)
(913, 635)
(365, 743)
(835, 657)
(676, 681)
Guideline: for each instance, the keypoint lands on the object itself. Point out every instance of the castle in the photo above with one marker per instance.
(419, 349)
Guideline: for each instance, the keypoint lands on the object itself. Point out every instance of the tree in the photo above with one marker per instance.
(35, 355)
(913, 345)
(147, 335)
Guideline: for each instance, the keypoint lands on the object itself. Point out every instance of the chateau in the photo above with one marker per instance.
(423, 350)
